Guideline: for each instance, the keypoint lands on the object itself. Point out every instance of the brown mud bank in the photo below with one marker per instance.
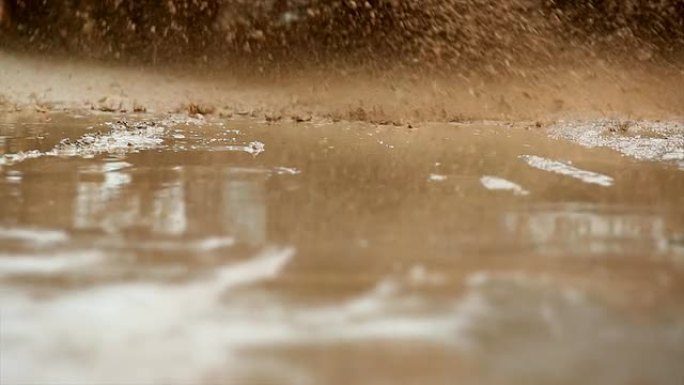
(36, 85)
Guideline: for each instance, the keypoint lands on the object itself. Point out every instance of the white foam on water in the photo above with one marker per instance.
(255, 148)
(677, 154)
(565, 169)
(496, 183)
(10, 159)
(643, 140)
(124, 137)
(121, 138)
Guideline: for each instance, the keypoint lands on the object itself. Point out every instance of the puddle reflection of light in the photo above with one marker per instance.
(527, 329)
(245, 213)
(567, 170)
(87, 336)
(497, 183)
(35, 237)
(168, 213)
(569, 230)
(97, 204)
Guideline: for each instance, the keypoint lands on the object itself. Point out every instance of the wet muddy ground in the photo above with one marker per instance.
(184, 250)
(342, 192)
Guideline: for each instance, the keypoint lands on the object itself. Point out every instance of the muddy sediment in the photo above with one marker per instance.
(395, 98)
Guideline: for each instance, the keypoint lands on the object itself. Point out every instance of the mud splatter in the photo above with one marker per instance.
(121, 138)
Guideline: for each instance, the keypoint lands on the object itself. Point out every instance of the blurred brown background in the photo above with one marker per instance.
(428, 33)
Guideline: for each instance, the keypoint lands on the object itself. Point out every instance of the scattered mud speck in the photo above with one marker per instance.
(199, 108)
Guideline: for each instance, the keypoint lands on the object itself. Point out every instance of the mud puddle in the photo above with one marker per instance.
(184, 250)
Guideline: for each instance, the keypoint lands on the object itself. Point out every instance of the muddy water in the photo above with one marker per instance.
(240, 252)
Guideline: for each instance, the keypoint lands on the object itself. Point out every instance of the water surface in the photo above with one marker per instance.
(184, 251)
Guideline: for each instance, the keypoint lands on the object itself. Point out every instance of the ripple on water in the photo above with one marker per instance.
(528, 327)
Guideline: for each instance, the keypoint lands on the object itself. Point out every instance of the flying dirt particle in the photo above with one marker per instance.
(301, 118)
(272, 118)
(504, 106)
(358, 114)
(199, 109)
(4, 19)
(137, 107)
(109, 104)
(557, 105)
(457, 118)
(380, 122)
(41, 108)
(225, 114)
(622, 126)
